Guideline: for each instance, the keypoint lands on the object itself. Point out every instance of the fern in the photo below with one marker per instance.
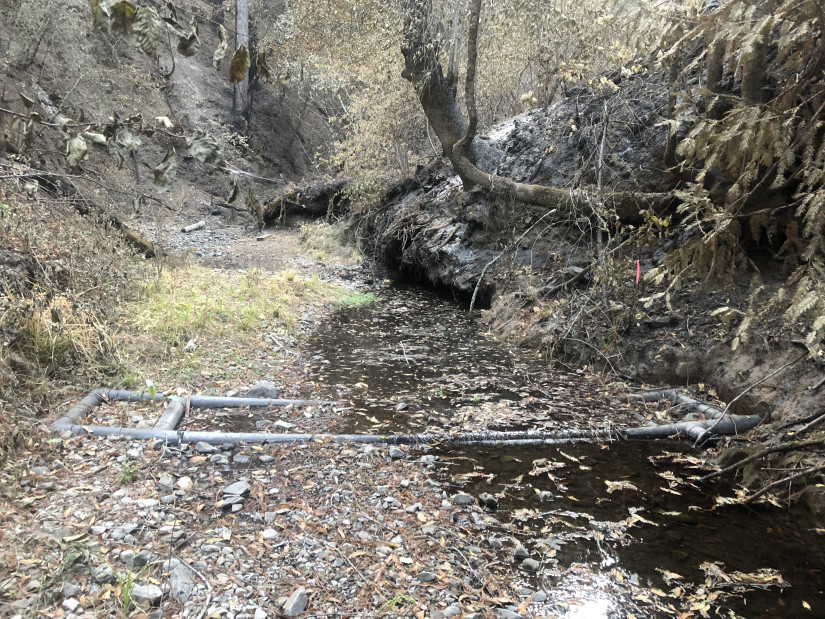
(762, 133)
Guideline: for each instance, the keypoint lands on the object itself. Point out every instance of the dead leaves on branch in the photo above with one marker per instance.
(141, 26)
(240, 65)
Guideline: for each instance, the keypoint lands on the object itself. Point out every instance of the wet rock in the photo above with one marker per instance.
(103, 574)
(296, 603)
(181, 583)
(396, 453)
(520, 553)
(263, 389)
(463, 499)
(205, 448)
(239, 488)
(147, 595)
(488, 501)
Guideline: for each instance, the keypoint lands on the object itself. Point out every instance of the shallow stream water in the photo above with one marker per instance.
(616, 531)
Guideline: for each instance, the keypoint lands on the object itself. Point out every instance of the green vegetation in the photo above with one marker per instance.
(358, 299)
(127, 473)
(182, 303)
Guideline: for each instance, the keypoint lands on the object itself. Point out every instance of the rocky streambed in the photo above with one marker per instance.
(335, 529)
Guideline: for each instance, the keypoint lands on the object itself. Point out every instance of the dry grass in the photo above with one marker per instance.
(326, 242)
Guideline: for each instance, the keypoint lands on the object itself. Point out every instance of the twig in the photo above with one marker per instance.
(811, 424)
(761, 454)
(757, 383)
(796, 422)
(789, 478)
(516, 243)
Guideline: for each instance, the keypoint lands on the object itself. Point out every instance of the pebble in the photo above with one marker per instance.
(426, 576)
(240, 459)
(266, 459)
(185, 483)
(147, 503)
(296, 603)
(269, 534)
(520, 552)
(396, 453)
(103, 574)
(546, 496)
(488, 501)
(263, 389)
(463, 499)
(239, 488)
(451, 611)
(147, 594)
(166, 482)
(69, 590)
(505, 613)
(495, 543)
(181, 583)
(531, 565)
(40, 470)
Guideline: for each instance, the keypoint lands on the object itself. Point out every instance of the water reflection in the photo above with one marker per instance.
(615, 529)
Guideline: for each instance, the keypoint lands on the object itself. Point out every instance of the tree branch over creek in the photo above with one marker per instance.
(474, 160)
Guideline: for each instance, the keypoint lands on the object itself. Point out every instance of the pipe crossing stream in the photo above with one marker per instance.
(615, 527)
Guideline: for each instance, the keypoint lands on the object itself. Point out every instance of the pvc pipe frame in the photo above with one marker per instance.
(164, 429)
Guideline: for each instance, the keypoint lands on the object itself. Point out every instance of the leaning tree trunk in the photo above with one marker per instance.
(240, 100)
(475, 161)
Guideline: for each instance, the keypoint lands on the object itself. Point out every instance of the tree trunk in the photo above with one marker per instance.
(240, 100)
(473, 159)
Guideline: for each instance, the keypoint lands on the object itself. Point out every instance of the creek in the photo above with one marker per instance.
(620, 529)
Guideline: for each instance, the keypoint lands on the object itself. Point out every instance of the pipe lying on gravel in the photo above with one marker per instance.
(695, 430)
(171, 417)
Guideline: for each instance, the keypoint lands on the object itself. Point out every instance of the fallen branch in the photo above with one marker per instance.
(785, 480)
(761, 454)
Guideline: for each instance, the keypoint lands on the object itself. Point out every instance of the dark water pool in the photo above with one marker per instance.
(623, 536)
